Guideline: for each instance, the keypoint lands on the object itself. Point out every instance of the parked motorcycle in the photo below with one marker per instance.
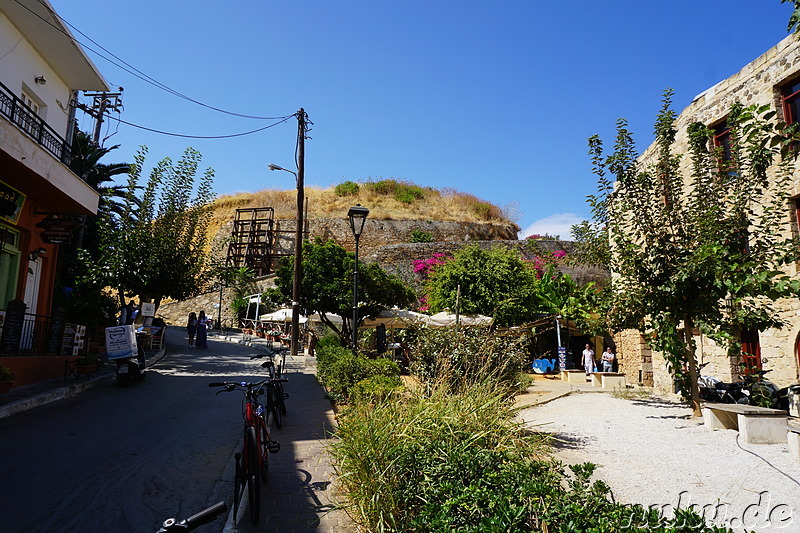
(753, 389)
(131, 368)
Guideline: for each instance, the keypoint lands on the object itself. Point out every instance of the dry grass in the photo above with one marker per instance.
(444, 205)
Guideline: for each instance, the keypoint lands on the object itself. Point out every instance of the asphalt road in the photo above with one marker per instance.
(125, 459)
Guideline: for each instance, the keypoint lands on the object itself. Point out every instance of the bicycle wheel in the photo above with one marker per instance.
(281, 398)
(264, 449)
(252, 468)
(272, 402)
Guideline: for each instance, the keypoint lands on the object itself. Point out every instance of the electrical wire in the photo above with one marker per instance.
(281, 121)
(129, 68)
(770, 464)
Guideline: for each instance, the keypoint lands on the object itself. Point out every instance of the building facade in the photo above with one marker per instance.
(773, 79)
(42, 68)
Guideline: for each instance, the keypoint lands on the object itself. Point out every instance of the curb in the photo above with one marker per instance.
(66, 391)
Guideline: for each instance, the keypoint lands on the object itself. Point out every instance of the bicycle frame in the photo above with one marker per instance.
(252, 462)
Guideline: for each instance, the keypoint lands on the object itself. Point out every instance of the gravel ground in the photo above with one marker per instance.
(653, 452)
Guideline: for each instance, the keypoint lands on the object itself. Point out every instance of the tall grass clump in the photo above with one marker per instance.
(402, 191)
(425, 460)
(462, 357)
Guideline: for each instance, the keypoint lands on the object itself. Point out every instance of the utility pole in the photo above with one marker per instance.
(101, 102)
(298, 236)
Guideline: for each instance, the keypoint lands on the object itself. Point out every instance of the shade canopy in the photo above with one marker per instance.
(281, 315)
(446, 318)
(394, 318)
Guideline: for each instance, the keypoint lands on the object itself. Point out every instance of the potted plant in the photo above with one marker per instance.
(6, 379)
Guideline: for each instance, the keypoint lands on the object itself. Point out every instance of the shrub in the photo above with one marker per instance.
(347, 188)
(463, 357)
(418, 235)
(401, 191)
(375, 389)
(340, 370)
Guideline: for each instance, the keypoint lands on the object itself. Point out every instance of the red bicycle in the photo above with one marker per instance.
(253, 461)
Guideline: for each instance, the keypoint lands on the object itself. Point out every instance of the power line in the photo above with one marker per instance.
(280, 120)
(129, 68)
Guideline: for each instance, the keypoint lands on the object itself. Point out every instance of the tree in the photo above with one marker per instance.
(794, 18)
(327, 286)
(682, 239)
(156, 247)
(495, 282)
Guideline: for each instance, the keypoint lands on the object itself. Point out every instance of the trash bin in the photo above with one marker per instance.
(794, 400)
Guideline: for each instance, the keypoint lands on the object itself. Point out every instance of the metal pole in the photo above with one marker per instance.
(298, 235)
(219, 309)
(355, 298)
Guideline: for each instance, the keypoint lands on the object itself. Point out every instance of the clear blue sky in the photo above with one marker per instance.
(496, 99)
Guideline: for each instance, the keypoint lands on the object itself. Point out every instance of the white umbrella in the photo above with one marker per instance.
(394, 318)
(281, 315)
(446, 318)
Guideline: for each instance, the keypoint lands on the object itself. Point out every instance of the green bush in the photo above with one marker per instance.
(465, 356)
(347, 188)
(340, 370)
(375, 389)
(401, 191)
(418, 235)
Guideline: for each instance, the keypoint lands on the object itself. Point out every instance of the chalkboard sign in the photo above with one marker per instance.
(12, 327)
(54, 335)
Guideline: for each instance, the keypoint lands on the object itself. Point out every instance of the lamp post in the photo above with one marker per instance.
(357, 215)
(298, 256)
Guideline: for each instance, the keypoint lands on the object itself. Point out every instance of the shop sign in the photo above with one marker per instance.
(11, 202)
(57, 229)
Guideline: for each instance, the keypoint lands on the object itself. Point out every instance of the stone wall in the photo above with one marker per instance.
(759, 82)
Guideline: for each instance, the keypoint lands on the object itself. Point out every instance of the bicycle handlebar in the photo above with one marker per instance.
(245, 384)
(193, 522)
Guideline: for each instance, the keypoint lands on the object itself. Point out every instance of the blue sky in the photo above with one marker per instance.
(496, 99)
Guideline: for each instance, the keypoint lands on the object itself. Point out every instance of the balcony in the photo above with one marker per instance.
(17, 112)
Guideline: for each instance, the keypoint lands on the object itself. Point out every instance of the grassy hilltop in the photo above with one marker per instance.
(387, 199)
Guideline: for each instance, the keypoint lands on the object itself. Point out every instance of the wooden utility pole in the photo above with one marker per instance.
(298, 236)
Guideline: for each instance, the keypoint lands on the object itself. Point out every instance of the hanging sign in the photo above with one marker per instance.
(57, 229)
(11, 202)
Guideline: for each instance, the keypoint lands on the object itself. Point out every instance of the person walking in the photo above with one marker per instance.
(608, 360)
(191, 328)
(588, 360)
(202, 322)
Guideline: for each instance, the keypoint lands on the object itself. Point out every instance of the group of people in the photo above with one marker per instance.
(197, 327)
(607, 360)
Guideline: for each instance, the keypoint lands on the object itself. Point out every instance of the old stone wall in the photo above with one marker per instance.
(759, 82)
(635, 357)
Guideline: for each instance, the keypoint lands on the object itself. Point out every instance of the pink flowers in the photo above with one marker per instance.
(424, 267)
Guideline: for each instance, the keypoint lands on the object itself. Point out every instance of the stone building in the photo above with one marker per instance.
(773, 79)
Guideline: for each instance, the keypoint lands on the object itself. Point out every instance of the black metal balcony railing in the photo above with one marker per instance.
(15, 110)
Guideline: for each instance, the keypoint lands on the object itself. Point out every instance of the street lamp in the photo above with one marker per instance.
(298, 257)
(357, 215)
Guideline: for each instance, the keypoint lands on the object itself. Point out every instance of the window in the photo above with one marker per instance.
(722, 139)
(790, 102)
(28, 116)
(751, 350)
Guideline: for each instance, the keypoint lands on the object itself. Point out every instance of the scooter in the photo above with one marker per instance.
(130, 368)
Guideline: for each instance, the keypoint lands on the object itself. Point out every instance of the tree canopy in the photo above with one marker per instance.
(155, 247)
(327, 286)
(683, 239)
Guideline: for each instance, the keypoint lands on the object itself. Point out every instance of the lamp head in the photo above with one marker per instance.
(273, 166)
(357, 215)
(40, 80)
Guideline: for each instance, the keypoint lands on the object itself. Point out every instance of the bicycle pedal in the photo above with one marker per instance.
(274, 446)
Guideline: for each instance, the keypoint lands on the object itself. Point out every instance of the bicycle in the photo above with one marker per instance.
(276, 396)
(253, 461)
(171, 525)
